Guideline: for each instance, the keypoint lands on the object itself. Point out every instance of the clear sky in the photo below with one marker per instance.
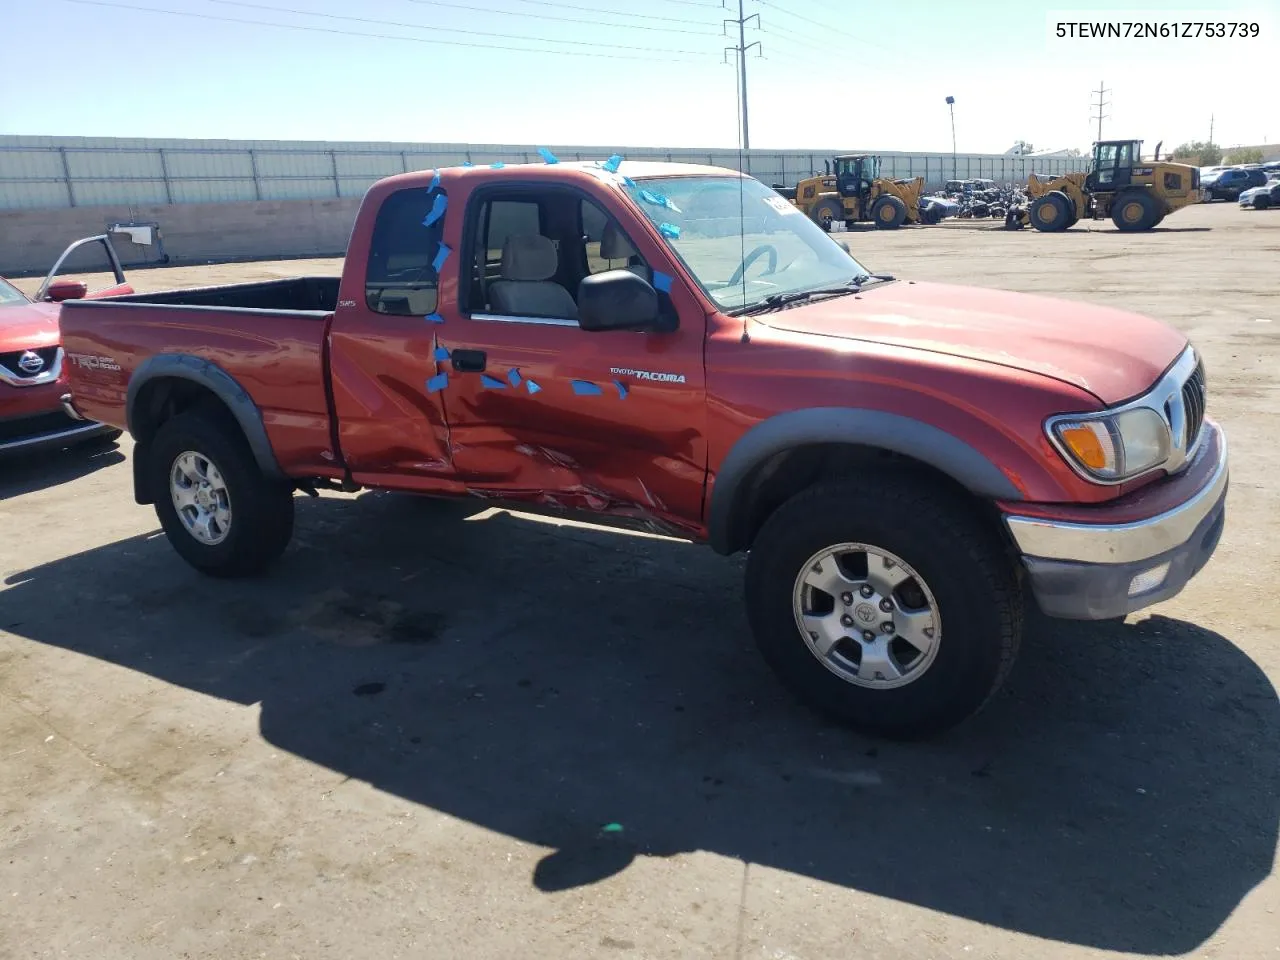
(835, 74)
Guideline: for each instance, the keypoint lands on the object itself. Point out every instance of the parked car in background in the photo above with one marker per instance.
(1228, 184)
(1260, 198)
(33, 369)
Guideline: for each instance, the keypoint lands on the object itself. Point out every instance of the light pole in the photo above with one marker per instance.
(955, 170)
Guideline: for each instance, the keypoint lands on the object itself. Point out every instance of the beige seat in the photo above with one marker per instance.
(614, 245)
(526, 289)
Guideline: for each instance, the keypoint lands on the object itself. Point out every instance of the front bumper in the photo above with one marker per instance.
(39, 418)
(1096, 571)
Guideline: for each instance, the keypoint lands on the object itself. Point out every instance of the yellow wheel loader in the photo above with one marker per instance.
(1135, 193)
(856, 192)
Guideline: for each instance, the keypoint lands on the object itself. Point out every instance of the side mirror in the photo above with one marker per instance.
(616, 300)
(61, 290)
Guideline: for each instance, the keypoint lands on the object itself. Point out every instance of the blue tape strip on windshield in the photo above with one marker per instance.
(612, 164)
(585, 388)
(662, 282)
(441, 354)
(629, 182)
(437, 383)
(658, 200)
(547, 156)
(433, 318)
(492, 382)
(622, 389)
(513, 376)
(437, 210)
(441, 256)
(669, 230)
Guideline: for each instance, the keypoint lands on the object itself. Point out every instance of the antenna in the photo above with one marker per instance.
(1101, 92)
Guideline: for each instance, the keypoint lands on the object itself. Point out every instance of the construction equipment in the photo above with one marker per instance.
(857, 192)
(1135, 193)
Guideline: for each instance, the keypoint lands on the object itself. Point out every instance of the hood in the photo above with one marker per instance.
(1253, 192)
(1110, 353)
(26, 326)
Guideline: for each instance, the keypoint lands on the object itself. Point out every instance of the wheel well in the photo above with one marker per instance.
(778, 478)
(164, 398)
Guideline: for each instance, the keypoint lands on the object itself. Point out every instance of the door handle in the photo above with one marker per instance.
(469, 361)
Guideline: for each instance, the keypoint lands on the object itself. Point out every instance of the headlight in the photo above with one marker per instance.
(1113, 447)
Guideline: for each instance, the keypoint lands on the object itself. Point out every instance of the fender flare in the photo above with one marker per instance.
(872, 428)
(221, 384)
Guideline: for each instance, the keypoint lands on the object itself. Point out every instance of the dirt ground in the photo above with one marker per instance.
(406, 741)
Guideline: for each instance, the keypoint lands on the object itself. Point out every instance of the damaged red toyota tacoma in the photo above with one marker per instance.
(905, 464)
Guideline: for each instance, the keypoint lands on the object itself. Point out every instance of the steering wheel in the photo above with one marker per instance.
(751, 258)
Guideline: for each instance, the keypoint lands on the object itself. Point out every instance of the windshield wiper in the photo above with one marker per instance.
(777, 301)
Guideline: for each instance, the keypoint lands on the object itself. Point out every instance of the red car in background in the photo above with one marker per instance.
(33, 374)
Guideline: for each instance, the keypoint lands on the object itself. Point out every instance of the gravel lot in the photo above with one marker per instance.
(406, 740)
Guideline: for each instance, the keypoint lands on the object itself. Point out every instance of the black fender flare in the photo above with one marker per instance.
(206, 373)
(850, 425)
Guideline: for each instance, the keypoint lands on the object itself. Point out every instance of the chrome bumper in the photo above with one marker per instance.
(1099, 571)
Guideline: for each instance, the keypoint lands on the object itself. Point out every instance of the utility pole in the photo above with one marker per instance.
(951, 105)
(741, 51)
(1102, 91)
(1211, 128)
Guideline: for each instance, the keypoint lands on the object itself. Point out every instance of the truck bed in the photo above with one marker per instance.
(294, 293)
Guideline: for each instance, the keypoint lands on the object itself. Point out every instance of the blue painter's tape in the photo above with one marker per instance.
(662, 282)
(585, 388)
(532, 387)
(513, 376)
(437, 210)
(629, 182)
(441, 256)
(547, 155)
(492, 382)
(467, 163)
(622, 389)
(441, 354)
(438, 382)
(497, 165)
(613, 163)
(435, 181)
(434, 318)
(669, 230)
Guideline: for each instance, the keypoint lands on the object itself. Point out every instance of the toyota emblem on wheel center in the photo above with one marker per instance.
(31, 362)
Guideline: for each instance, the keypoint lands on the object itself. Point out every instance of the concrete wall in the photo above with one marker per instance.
(30, 240)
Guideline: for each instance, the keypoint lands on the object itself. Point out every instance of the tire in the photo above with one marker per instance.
(931, 215)
(1134, 211)
(1052, 212)
(960, 563)
(827, 212)
(1261, 203)
(889, 213)
(258, 510)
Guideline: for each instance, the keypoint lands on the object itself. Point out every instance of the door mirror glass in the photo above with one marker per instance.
(616, 300)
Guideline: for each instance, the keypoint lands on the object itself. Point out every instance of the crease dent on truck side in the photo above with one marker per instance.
(678, 349)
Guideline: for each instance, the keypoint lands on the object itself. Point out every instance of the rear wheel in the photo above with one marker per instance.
(1134, 211)
(1051, 212)
(220, 513)
(826, 213)
(884, 605)
(889, 213)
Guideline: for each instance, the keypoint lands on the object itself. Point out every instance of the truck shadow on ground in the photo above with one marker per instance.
(1121, 794)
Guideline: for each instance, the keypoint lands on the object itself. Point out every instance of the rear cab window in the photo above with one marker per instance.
(400, 277)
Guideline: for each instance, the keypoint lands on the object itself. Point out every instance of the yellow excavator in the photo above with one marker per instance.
(855, 191)
(1135, 193)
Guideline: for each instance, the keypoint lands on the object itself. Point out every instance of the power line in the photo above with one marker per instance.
(817, 23)
(470, 8)
(612, 13)
(1102, 91)
(375, 36)
(427, 26)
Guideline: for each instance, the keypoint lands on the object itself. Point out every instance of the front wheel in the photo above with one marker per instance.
(1261, 203)
(220, 513)
(884, 605)
(889, 212)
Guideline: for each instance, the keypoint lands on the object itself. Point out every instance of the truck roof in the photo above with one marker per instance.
(641, 169)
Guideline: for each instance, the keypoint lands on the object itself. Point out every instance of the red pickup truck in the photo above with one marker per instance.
(678, 346)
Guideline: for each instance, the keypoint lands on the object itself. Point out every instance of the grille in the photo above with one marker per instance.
(23, 428)
(10, 361)
(1194, 397)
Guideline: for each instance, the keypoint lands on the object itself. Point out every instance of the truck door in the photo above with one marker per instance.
(391, 430)
(541, 410)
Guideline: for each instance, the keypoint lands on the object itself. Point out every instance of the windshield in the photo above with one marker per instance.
(9, 294)
(742, 241)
